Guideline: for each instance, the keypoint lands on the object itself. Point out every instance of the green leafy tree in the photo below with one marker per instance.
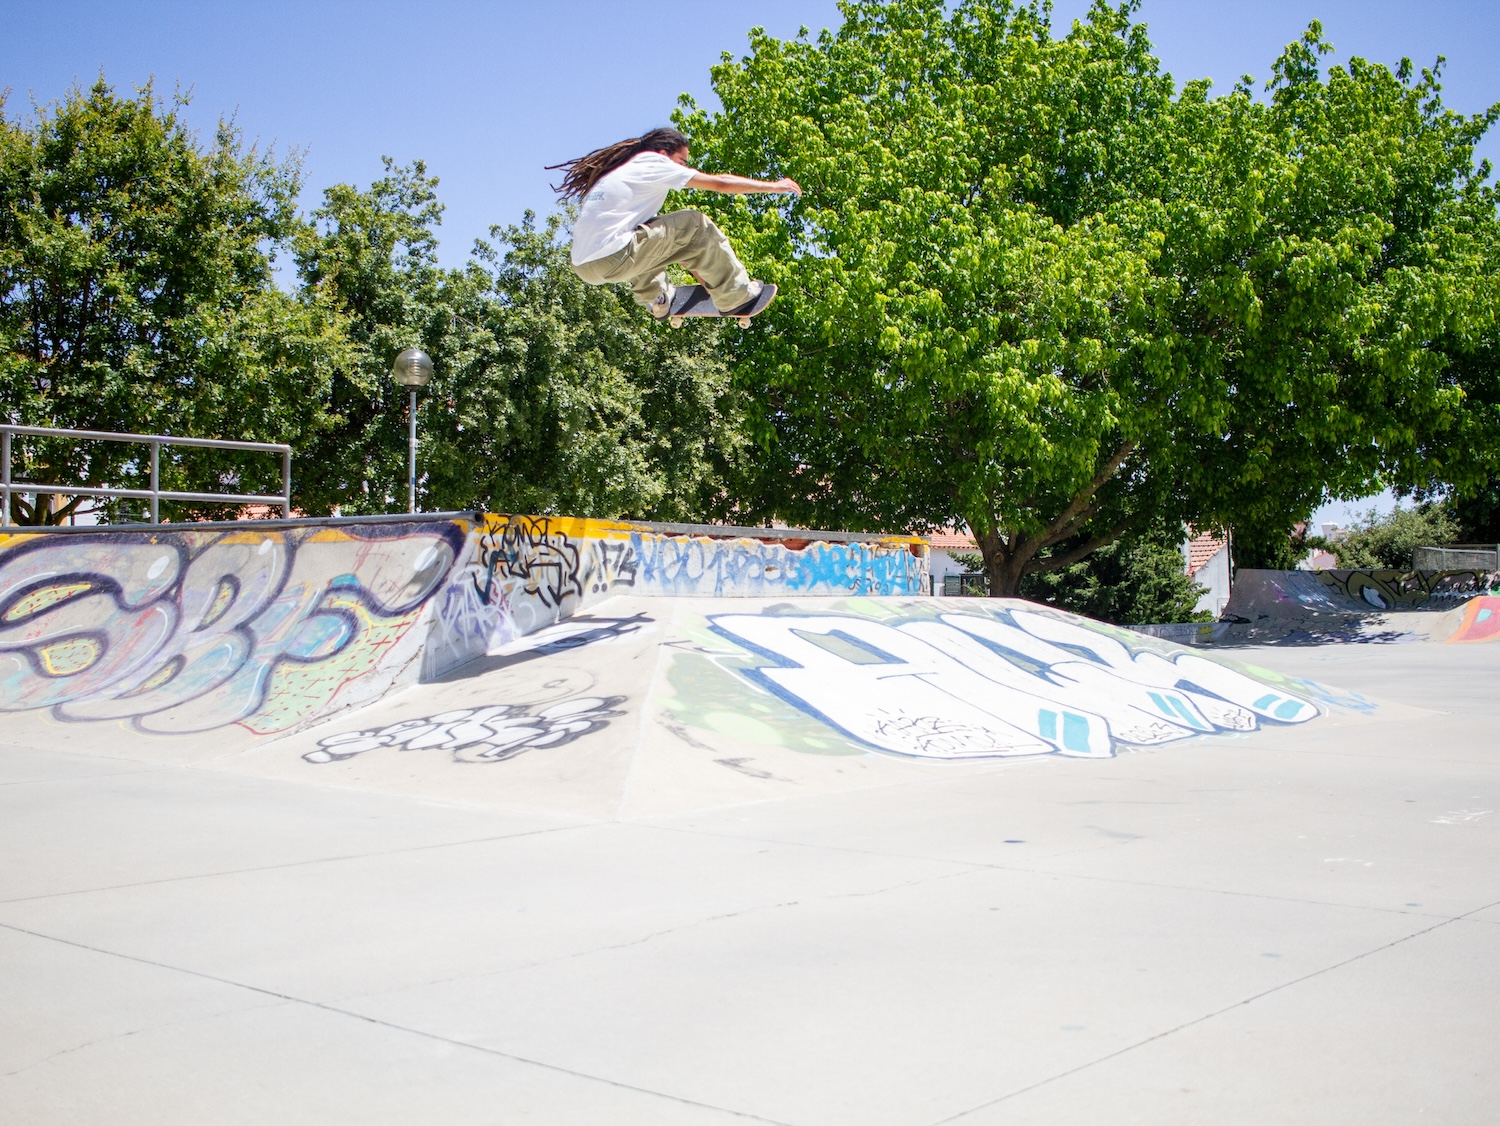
(571, 400)
(1138, 579)
(372, 257)
(547, 395)
(1033, 288)
(1388, 541)
(136, 295)
(1477, 514)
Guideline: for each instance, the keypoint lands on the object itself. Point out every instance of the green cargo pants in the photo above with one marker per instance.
(688, 238)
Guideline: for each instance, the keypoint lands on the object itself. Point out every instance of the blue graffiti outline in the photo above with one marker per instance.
(770, 659)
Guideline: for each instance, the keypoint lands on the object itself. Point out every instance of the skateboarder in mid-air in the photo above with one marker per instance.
(619, 237)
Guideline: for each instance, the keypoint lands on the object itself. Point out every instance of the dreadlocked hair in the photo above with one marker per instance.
(582, 173)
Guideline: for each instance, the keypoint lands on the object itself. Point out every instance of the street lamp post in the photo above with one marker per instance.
(412, 369)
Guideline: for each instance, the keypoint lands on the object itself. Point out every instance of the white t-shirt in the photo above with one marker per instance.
(621, 201)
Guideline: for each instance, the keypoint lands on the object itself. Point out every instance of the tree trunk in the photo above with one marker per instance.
(1009, 558)
(1004, 565)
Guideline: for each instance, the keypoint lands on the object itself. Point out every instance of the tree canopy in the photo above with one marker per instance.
(1033, 287)
(547, 395)
(137, 294)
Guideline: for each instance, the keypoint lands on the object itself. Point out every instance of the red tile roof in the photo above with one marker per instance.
(1201, 549)
(951, 539)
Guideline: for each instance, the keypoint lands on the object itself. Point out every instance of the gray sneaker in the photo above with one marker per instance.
(663, 304)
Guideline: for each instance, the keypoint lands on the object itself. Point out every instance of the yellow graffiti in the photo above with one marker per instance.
(69, 657)
(1389, 589)
(39, 600)
(297, 691)
(161, 676)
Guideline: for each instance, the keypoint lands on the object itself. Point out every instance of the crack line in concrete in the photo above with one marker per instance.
(334, 1009)
(1210, 1016)
(652, 936)
(299, 863)
(84, 777)
(269, 1004)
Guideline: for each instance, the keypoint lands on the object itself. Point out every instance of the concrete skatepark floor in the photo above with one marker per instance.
(1298, 924)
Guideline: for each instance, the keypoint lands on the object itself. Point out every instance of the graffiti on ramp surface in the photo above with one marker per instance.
(1480, 622)
(1005, 682)
(1389, 590)
(478, 735)
(527, 572)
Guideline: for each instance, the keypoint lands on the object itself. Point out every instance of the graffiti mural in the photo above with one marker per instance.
(1404, 590)
(527, 572)
(477, 735)
(1480, 622)
(998, 682)
(186, 631)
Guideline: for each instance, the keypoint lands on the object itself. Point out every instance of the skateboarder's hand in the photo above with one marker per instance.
(787, 184)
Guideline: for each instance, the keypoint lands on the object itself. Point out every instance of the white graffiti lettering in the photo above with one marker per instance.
(1016, 683)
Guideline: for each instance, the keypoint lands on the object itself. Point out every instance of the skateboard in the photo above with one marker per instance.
(693, 301)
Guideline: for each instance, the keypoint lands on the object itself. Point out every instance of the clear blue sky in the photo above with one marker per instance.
(489, 92)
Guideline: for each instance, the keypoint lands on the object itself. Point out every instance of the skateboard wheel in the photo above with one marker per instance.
(744, 321)
(675, 322)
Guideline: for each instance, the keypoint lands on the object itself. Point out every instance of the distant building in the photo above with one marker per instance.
(1320, 559)
(1206, 558)
(943, 546)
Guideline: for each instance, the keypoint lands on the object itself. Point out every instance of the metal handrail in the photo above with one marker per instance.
(155, 493)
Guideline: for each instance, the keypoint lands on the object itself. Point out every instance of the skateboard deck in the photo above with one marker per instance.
(693, 301)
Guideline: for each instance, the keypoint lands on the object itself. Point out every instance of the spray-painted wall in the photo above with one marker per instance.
(185, 630)
(177, 630)
(526, 572)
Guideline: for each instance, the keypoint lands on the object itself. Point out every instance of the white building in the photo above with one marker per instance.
(1206, 558)
(943, 546)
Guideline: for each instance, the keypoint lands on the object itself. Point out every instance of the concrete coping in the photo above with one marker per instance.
(713, 531)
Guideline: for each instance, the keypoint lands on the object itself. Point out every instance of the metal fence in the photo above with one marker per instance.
(966, 586)
(155, 494)
(1457, 557)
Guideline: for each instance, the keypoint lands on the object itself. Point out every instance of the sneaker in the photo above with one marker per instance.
(663, 304)
(755, 289)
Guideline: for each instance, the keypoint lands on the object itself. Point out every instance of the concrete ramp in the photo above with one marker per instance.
(1302, 607)
(1478, 620)
(579, 666)
(640, 706)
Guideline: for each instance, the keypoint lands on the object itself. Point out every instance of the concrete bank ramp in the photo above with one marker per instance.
(581, 666)
(1306, 607)
(641, 706)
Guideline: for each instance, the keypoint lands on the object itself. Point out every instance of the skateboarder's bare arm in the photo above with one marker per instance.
(733, 185)
(742, 185)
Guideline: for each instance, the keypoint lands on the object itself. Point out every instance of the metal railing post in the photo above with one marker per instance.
(10, 487)
(155, 482)
(5, 480)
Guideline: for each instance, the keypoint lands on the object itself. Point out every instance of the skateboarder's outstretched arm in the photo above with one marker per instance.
(740, 185)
